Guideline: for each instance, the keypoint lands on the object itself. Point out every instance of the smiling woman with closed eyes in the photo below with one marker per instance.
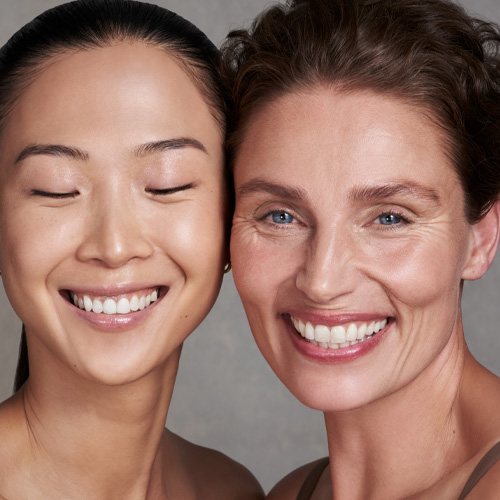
(113, 212)
(366, 157)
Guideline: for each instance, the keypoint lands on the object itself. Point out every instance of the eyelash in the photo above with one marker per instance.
(57, 196)
(156, 192)
(167, 191)
(403, 219)
(266, 218)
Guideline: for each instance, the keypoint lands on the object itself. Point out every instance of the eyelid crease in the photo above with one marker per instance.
(48, 194)
(171, 190)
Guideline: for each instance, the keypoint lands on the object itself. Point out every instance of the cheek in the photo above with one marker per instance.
(261, 265)
(420, 270)
(194, 236)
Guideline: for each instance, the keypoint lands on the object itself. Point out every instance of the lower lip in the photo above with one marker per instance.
(327, 355)
(114, 322)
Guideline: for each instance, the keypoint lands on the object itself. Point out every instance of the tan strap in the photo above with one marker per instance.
(312, 479)
(485, 464)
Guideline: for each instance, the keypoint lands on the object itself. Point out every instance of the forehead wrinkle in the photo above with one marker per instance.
(369, 193)
(168, 144)
(278, 190)
(52, 150)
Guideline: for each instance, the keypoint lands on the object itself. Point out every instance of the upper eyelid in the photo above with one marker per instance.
(50, 194)
(171, 190)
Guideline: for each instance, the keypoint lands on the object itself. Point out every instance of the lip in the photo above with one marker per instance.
(326, 355)
(113, 322)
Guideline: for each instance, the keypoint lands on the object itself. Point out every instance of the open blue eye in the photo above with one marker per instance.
(282, 218)
(389, 219)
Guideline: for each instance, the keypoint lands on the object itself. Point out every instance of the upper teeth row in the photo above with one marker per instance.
(110, 306)
(338, 336)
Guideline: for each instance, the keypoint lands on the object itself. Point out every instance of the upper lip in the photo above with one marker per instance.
(111, 290)
(331, 319)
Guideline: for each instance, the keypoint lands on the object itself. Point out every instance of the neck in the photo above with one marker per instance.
(105, 441)
(406, 442)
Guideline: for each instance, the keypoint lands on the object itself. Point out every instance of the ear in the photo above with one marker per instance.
(483, 244)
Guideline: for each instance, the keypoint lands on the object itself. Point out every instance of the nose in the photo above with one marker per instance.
(115, 233)
(328, 270)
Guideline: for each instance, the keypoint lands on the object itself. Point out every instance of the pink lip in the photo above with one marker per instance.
(114, 322)
(112, 290)
(335, 319)
(342, 355)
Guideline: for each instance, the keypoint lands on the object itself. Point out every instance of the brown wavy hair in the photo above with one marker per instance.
(429, 53)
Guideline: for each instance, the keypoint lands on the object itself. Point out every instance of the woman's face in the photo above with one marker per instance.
(349, 243)
(112, 198)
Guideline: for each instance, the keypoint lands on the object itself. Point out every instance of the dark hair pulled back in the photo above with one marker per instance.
(90, 24)
(429, 53)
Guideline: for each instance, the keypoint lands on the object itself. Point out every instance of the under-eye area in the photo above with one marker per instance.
(117, 304)
(338, 336)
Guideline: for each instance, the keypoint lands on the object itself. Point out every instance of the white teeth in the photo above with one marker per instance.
(134, 303)
(338, 334)
(87, 303)
(352, 333)
(322, 334)
(337, 337)
(97, 306)
(309, 332)
(110, 306)
(123, 306)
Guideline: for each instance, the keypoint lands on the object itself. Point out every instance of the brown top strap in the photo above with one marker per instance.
(312, 479)
(485, 464)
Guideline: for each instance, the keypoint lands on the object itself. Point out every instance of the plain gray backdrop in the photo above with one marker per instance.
(226, 396)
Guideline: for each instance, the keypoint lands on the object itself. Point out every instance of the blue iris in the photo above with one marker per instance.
(389, 219)
(282, 218)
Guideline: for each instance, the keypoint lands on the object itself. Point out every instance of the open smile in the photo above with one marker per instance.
(116, 304)
(338, 336)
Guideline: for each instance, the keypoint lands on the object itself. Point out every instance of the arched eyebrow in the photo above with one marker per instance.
(165, 145)
(52, 150)
(278, 190)
(388, 190)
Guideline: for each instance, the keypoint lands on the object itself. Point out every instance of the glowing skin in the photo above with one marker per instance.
(131, 201)
(348, 211)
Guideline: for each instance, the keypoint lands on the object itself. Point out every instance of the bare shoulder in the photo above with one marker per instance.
(288, 488)
(488, 486)
(217, 476)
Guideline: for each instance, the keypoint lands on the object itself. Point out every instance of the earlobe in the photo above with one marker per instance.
(484, 243)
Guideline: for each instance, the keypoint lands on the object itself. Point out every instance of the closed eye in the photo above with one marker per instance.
(172, 190)
(57, 196)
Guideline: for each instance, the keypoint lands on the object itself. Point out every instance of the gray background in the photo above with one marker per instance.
(226, 397)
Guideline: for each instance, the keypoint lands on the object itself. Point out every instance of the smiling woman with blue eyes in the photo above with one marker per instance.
(113, 218)
(366, 157)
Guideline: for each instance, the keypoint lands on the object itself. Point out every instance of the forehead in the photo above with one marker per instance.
(124, 86)
(338, 134)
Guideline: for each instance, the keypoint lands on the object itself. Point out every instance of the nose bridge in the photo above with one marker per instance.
(115, 234)
(328, 268)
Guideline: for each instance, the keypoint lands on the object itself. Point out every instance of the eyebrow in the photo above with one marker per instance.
(413, 189)
(77, 154)
(278, 190)
(168, 144)
(52, 150)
